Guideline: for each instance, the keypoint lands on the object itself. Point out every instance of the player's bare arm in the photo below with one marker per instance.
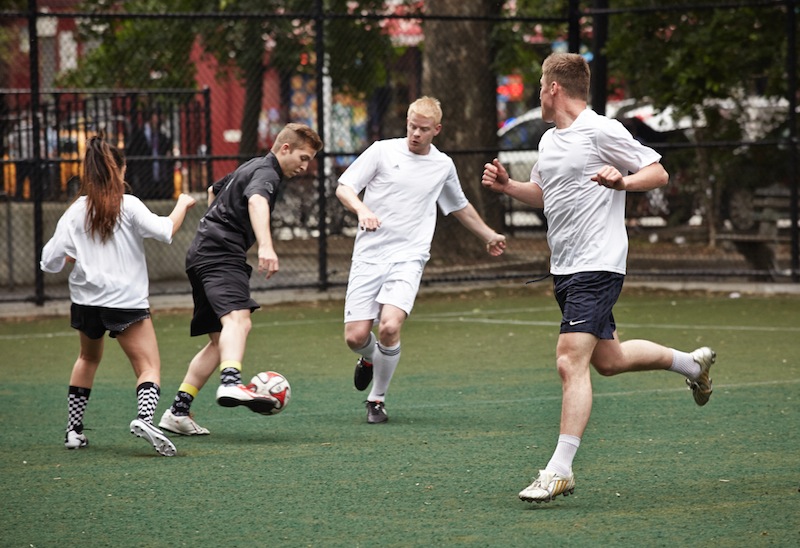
(495, 178)
(647, 178)
(367, 220)
(211, 195)
(178, 215)
(258, 208)
(468, 216)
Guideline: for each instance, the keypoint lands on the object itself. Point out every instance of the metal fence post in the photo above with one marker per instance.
(322, 222)
(791, 95)
(36, 176)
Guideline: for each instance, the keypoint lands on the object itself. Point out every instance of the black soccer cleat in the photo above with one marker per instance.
(363, 374)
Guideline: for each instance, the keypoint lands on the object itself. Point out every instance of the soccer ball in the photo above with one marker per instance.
(270, 383)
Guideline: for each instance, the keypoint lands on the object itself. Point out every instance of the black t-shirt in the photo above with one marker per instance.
(225, 232)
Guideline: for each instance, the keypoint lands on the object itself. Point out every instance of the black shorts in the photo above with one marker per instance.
(218, 289)
(94, 321)
(586, 300)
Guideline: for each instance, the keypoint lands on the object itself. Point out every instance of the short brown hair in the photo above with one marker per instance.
(571, 71)
(297, 135)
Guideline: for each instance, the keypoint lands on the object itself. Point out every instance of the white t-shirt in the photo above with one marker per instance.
(402, 190)
(111, 274)
(586, 222)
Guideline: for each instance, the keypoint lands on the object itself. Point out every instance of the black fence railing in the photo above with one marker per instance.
(163, 133)
(199, 133)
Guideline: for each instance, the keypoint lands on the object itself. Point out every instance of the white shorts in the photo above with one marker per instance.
(372, 285)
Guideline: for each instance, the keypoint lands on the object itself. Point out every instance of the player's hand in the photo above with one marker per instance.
(70, 259)
(368, 221)
(186, 201)
(496, 245)
(495, 176)
(267, 262)
(609, 177)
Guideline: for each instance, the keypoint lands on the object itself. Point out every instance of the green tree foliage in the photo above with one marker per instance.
(691, 55)
(249, 37)
(693, 59)
(144, 53)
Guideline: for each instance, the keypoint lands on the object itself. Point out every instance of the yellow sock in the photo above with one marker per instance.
(189, 389)
(230, 363)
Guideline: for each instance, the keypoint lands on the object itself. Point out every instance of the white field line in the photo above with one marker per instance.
(622, 326)
(468, 316)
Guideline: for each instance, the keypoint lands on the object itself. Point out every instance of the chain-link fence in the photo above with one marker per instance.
(191, 94)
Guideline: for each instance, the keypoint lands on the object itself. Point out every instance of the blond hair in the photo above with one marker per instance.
(429, 107)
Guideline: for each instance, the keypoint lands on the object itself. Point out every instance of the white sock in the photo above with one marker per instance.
(561, 461)
(683, 363)
(384, 363)
(369, 348)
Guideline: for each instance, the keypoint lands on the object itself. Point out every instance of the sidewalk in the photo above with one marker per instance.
(160, 303)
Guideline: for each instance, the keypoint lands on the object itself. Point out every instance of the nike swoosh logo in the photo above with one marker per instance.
(573, 322)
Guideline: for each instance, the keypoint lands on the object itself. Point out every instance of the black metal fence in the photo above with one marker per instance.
(191, 95)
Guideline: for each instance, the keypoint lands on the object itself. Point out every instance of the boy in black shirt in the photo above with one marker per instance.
(239, 211)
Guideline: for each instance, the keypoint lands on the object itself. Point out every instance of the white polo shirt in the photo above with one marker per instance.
(402, 189)
(586, 222)
(111, 274)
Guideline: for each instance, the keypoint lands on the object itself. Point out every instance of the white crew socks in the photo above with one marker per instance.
(683, 363)
(561, 461)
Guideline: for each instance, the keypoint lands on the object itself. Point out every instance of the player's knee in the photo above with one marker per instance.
(389, 332)
(606, 370)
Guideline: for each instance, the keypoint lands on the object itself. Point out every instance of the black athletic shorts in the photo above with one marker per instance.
(218, 289)
(586, 300)
(94, 321)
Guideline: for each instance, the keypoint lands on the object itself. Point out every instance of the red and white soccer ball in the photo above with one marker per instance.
(270, 383)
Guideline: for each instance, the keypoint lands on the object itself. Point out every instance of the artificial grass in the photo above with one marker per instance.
(473, 412)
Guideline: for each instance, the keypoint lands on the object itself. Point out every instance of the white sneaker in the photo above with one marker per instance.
(183, 425)
(233, 395)
(701, 386)
(548, 486)
(74, 440)
(156, 437)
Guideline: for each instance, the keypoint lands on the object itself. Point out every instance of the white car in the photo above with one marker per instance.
(518, 142)
(518, 139)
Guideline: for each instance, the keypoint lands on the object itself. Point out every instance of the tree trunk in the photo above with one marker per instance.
(456, 69)
(254, 71)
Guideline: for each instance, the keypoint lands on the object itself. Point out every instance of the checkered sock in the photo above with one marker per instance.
(147, 395)
(78, 399)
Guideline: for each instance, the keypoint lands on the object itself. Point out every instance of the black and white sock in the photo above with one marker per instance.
(78, 399)
(230, 372)
(147, 395)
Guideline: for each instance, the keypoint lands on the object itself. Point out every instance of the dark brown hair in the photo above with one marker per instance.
(103, 186)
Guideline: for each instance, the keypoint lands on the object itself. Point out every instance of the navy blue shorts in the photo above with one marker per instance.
(218, 289)
(94, 321)
(586, 300)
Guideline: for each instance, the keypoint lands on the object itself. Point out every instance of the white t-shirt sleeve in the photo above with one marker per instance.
(452, 197)
(147, 223)
(54, 253)
(363, 170)
(621, 150)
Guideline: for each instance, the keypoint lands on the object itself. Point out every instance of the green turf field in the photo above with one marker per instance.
(473, 409)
